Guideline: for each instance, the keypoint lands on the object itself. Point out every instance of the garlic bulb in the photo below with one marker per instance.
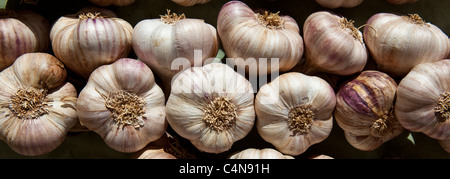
(321, 157)
(156, 149)
(333, 4)
(365, 110)
(398, 43)
(122, 103)
(423, 100)
(333, 44)
(212, 106)
(161, 42)
(22, 32)
(37, 105)
(400, 2)
(190, 2)
(266, 153)
(89, 39)
(294, 111)
(248, 37)
(112, 2)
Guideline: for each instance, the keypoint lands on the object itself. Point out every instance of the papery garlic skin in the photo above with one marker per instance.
(190, 2)
(127, 80)
(212, 106)
(112, 2)
(333, 4)
(333, 44)
(365, 110)
(398, 43)
(253, 153)
(38, 106)
(420, 95)
(22, 31)
(248, 37)
(400, 2)
(87, 40)
(159, 42)
(294, 111)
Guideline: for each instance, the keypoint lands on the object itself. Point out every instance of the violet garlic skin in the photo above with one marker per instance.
(365, 110)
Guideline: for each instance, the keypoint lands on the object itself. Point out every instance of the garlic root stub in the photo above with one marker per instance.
(398, 43)
(365, 110)
(423, 100)
(122, 103)
(38, 106)
(22, 31)
(247, 37)
(212, 106)
(294, 111)
(89, 39)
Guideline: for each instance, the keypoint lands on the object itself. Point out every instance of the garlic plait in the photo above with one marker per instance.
(423, 100)
(37, 105)
(333, 4)
(212, 106)
(294, 111)
(266, 41)
(89, 39)
(365, 110)
(122, 103)
(22, 31)
(398, 43)
(333, 45)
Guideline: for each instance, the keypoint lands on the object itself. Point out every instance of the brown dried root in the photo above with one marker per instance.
(220, 114)
(271, 21)
(415, 19)
(90, 15)
(300, 119)
(443, 108)
(171, 18)
(29, 103)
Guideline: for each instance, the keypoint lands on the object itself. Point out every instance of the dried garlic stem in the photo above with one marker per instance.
(220, 114)
(349, 24)
(382, 125)
(300, 119)
(171, 18)
(271, 21)
(126, 108)
(29, 103)
(415, 19)
(90, 15)
(442, 110)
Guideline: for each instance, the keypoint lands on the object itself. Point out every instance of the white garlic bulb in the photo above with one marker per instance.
(365, 110)
(398, 43)
(37, 105)
(423, 100)
(122, 103)
(333, 44)
(160, 42)
(190, 2)
(112, 2)
(294, 111)
(89, 39)
(248, 37)
(333, 4)
(23, 31)
(400, 2)
(253, 153)
(212, 106)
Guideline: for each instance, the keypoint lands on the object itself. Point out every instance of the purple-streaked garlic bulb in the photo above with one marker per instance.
(89, 39)
(22, 31)
(333, 44)
(190, 2)
(333, 4)
(365, 110)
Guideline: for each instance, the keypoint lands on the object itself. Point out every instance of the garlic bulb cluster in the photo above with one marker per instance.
(400, 2)
(212, 106)
(333, 44)
(89, 39)
(112, 2)
(365, 110)
(294, 111)
(248, 37)
(423, 100)
(37, 104)
(398, 43)
(122, 103)
(22, 31)
(163, 44)
(333, 4)
(266, 153)
(190, 2)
